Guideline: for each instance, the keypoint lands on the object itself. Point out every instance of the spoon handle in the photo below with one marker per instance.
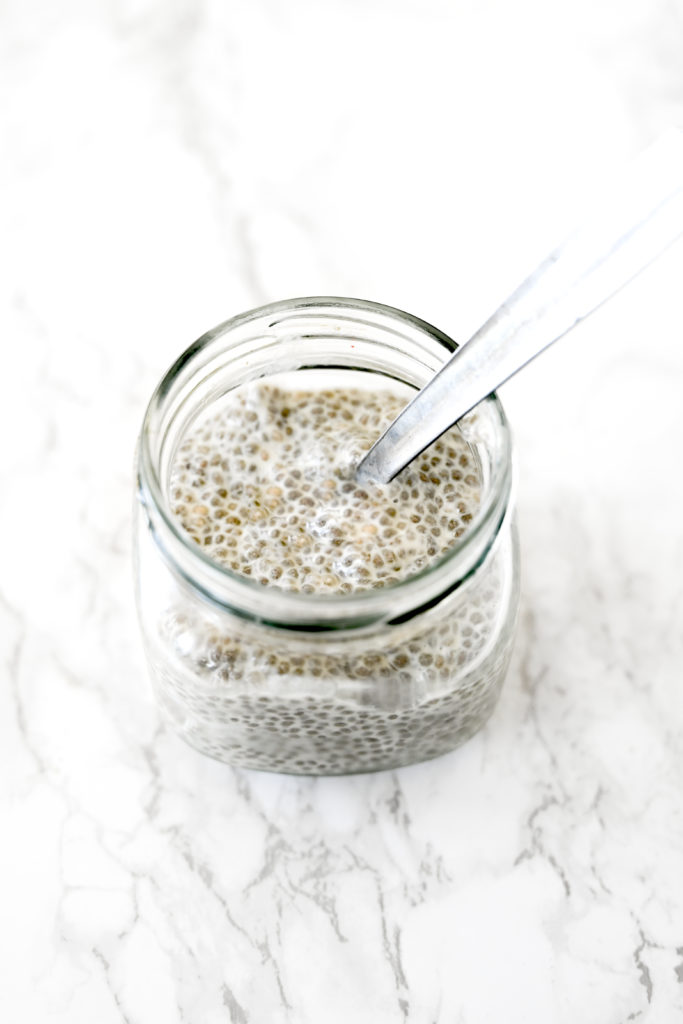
(640, 218)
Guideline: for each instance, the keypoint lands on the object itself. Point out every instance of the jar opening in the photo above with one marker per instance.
(309, 335)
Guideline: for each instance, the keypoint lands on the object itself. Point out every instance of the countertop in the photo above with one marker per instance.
(166, 165)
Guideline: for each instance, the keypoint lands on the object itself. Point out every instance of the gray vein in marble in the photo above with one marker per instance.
(237, 1012)
(678, 969)
(106, 967)
(555, 793)
(151, 807)
(313, 885)
(595, 810)
(391, 944)
(272, 961)
(14, 660)
(396, 804)
(275, 849)
(644, 975)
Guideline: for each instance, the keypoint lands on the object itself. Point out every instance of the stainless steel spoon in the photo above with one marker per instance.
(641, 217)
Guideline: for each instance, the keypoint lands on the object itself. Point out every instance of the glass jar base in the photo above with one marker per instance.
(306, 736)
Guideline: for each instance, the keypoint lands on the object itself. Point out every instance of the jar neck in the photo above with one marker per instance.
(314, 333)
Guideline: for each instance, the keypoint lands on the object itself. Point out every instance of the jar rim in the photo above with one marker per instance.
(313, 611)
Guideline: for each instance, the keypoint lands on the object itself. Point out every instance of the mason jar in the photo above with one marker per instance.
(322, 683)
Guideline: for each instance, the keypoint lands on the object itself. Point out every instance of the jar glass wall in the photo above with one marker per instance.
(322, 683)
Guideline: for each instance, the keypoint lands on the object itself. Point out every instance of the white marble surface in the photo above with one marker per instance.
(167, 164)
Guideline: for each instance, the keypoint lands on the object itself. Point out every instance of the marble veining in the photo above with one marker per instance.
(168, 165)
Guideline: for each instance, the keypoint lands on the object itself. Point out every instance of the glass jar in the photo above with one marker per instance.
(315, 683)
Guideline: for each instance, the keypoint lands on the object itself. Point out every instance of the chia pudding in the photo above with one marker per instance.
(295, 619)
(266, 487)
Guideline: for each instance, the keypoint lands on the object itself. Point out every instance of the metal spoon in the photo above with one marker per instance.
(640, 218)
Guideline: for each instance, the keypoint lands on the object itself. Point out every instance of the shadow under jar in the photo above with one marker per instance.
(322, 683)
